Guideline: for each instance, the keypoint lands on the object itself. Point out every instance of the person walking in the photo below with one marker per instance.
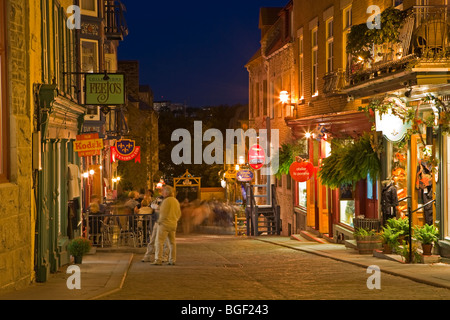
(169, 215)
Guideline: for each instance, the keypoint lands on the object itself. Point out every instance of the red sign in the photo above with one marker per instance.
(256, 157)
(126, 150)
(301, 171)
(88, 145)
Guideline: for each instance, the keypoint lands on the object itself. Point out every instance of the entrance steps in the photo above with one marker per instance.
(308, 236)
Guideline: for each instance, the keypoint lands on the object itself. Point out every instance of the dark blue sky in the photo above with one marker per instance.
(194, 51)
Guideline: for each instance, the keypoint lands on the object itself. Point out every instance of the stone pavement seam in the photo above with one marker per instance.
(98, 297)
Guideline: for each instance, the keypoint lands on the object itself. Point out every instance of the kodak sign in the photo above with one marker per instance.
(88, 145)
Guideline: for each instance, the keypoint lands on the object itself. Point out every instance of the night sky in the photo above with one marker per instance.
(194, 52)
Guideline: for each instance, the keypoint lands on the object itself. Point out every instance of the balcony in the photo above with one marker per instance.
(116, 26)
(334, 82)
(422, 46)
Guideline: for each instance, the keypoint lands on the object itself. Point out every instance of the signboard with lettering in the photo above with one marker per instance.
(104, 89)
(88, 145)
(245, 176)
(126, 150)
(256, 157)
(301, 171)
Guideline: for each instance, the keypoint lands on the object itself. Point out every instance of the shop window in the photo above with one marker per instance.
(303, 195)
(399, 177)
(3, 101)
(301, 67)
(347, 205)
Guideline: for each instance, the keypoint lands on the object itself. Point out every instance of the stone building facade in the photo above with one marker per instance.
(19, 47)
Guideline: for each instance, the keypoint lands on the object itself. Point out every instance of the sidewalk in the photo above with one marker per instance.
(101, 274)
(437, 274)
(105, 272)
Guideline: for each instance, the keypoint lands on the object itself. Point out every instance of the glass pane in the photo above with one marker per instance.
(88, 5)
(302, 195)
(89, 56)
(347, 212)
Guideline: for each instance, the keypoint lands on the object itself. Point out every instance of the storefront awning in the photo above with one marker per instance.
(343, 124)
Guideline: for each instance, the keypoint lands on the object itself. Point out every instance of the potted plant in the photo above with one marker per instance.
(427, 235)
(389, 237)
(367, 240)
(401, 226)
(78, 248)
(403, 250)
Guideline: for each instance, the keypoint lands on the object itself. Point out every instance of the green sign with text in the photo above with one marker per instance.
(104, 89)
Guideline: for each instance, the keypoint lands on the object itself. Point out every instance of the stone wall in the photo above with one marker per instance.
(16, 254)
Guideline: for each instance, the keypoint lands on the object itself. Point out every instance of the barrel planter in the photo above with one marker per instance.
(366, 245)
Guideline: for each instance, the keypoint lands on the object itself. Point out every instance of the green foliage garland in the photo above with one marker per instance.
(360, 39)
(350, 163)
(287, 155)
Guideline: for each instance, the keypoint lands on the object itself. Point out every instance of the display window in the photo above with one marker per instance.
(347, 205)
(447, 185)
(303, 195)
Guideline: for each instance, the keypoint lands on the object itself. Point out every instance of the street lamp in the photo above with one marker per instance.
(284, 97)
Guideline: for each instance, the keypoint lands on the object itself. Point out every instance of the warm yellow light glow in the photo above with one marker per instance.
(237, 167)
(118, 178)
(284, 97)
(86, 175)
(308, 135)
(92, 172)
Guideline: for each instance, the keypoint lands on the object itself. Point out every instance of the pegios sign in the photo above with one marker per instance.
(88, 145)
(125, 150)
(104, 89)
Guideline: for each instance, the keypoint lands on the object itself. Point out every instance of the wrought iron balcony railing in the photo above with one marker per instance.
(424, 39)
(116, 26)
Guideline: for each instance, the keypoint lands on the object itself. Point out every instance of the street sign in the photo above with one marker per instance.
(256, 157)
(105, 90)
(301, 171)
(88, 145)
(245, 176)
(125, 150)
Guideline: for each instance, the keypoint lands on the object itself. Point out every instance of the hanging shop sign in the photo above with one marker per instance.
(88, 145)
(256, 157)
(245, 176)
(107, 90)
(126, 150)
(392, 126)
(301, 171)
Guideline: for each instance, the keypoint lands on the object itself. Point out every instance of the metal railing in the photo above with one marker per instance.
(111, 230)
(424, 36)
(116, 26)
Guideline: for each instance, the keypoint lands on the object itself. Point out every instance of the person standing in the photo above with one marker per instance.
(169, 215)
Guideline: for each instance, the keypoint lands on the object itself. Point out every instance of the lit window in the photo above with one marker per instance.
(347, 21)
(89, 7)
(315, 63)
(330, 45)
(303, 195)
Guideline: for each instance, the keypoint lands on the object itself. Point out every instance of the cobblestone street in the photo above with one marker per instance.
(228, 268)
